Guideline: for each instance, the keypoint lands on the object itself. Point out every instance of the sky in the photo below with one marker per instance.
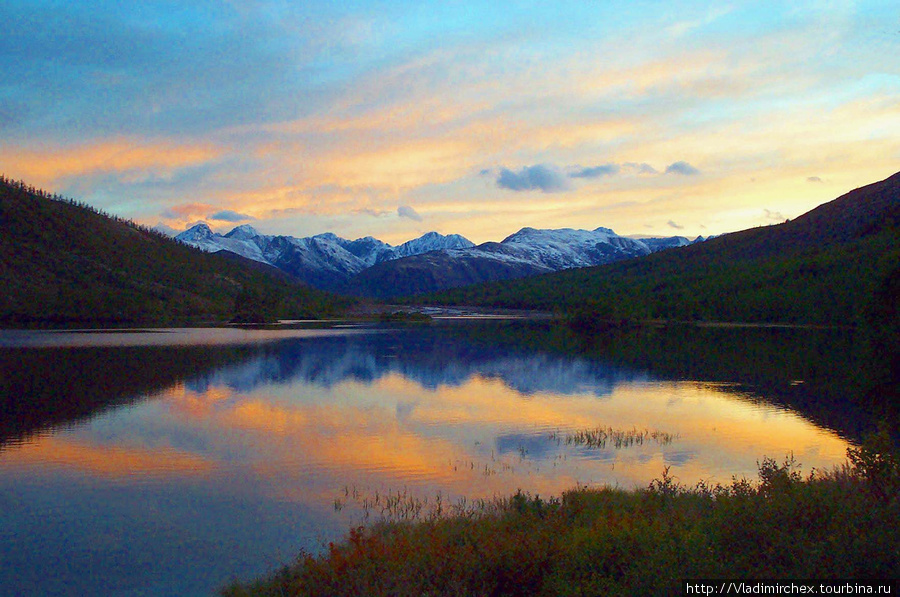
(392, 119)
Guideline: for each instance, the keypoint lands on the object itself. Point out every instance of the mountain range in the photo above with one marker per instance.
(838, 264)
(370, 267)
(64, 262)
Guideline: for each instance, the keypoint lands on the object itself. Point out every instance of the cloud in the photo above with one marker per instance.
(405, 211)
(186, 211)
(543, 177)
(130, 159)
(596, 171)
(814, 179)
(675, 225)
(227, 215)
(165, 229)
(369, 211)
(682, 168)
(642, 168)
(775, 215)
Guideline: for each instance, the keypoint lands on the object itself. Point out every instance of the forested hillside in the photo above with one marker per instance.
(833, 265)
(64, 262)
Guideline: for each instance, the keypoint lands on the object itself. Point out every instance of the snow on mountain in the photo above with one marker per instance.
(199, 232)
(528, 252)
(324, 260)
(430, 262)
(201, 236)
(669, 242)
(566, 248)
(432, 241)
(243, 232)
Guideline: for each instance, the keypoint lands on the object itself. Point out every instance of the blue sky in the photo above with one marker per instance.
(392, 119)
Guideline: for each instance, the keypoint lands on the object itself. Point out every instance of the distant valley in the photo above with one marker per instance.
(370, 267)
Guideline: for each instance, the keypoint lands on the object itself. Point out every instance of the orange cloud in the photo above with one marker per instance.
(118, 462)
(187, 212)
(47, 166)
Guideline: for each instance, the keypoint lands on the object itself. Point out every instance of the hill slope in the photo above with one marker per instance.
(825, 267)
(64, 262)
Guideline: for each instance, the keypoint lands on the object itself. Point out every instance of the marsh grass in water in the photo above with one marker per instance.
(601, 437)
(404, 506)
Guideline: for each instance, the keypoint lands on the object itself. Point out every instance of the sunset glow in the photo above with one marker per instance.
(654, 119)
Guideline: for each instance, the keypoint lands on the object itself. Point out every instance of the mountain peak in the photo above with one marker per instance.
(199, 231)
(243, 232)
(433, 241)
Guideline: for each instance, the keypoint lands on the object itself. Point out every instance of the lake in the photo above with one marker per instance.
(172, 461)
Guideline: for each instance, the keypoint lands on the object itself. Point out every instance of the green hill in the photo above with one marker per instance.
(65, 263)
(833, 265)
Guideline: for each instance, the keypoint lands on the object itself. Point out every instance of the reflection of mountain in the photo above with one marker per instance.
(807, 371)
(430, 357)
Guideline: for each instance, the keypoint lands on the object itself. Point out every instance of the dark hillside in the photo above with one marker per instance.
(824, 267)
(61, 262)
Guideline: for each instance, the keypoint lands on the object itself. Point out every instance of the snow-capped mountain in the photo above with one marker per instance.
(431, 262)
(432, 241)
(526, 253)
(325, 260)
(566, 248)
(669, 242)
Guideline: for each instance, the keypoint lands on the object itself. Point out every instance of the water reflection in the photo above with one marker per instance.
(226, 459)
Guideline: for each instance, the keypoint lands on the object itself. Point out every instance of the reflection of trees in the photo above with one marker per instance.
(819, 373)
(41, 388)
(823, 374)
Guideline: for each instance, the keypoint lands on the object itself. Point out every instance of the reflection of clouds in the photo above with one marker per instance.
(414, 408)
(677, 458)
(405, 409)
(593, 454)
(111, 461)
(306, 417)
(533, 446)
(375, 434)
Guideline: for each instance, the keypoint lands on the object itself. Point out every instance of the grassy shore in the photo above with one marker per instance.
(838, 524)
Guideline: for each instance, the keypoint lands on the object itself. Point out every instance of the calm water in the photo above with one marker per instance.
(170, 461)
